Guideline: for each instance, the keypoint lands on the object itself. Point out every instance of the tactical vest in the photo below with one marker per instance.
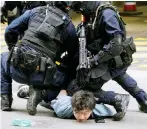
(45, 30)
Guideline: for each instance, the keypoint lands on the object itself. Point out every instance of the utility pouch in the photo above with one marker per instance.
(129, 46)
(50, 71)
(49, 27)
(31, 59)
(129, 50)
(125, 59)
(16, 56)
(116, 62)
(43, 62)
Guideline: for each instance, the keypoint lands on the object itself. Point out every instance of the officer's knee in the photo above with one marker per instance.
(128, 83)
(134, 91)
(125, 80)
(121, 77)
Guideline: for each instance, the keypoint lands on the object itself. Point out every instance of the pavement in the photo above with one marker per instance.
(45, 119)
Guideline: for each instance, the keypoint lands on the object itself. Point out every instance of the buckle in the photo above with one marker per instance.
(101, 53)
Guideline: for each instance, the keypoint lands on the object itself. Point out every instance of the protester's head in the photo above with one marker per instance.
(83, 103)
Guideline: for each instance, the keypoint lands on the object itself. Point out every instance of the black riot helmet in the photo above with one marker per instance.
(84, 7)
(63, 5)
(87, 7)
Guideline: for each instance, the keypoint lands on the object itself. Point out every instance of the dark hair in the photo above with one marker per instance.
(83, 100)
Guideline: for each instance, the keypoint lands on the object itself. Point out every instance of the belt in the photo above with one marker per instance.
(37, 68)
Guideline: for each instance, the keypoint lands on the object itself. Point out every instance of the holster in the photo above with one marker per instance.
(116, 62)
(31, 59)
(50, 71)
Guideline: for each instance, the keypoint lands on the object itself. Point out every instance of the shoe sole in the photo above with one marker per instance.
(6, 109)
(19, 89)
(31, 106)
(119, 116)
(142, 109)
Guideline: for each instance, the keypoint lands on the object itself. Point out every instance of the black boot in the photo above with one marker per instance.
(6, 102)
(143, 106)
(45, 103)
(121, 103)
(35, 97)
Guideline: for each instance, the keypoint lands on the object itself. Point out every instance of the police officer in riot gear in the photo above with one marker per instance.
(106, 40)
(31, 4)
(48, 33)
(13, 9)
(10, 11)
(120, 105)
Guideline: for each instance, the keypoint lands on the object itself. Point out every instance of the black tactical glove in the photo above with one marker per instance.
(82, 76)
(73, 87)
(3, 15)
(3, 19)
(94, 61)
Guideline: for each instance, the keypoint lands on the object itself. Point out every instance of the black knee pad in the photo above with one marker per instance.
(121, 77)
(124, 80)
(132, 90)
